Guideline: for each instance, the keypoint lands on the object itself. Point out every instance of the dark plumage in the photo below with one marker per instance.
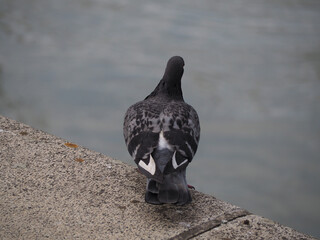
(162, 134)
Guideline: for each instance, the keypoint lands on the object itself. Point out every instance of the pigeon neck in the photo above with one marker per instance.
(170, 88)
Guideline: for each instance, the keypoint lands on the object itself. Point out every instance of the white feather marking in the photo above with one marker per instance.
(134, 153)
(163, 143)
(151, 167)
(188, 145)
(174, 161)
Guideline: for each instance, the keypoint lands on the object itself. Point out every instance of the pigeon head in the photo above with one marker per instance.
(174, 70)
(170, 84)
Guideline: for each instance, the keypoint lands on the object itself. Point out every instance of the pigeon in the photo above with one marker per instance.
(162, 133)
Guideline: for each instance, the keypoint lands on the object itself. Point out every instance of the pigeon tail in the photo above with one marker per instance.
(157, 166)
(173, 189)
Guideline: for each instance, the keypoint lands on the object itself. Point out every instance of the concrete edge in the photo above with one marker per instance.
(212, 223)
(209, 217)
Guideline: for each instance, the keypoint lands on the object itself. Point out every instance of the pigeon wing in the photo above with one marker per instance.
(181, 129)
(141, 128)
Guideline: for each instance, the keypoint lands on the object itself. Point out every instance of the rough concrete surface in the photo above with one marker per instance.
(50, 189)
(252, 227)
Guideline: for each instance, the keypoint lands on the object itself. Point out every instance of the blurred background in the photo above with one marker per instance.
(73, 67)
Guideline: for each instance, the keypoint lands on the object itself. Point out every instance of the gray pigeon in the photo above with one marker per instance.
(162, 134)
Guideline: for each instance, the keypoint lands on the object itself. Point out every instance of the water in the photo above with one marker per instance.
(73, 67)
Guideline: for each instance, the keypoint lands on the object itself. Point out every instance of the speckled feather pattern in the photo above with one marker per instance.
(161, 114)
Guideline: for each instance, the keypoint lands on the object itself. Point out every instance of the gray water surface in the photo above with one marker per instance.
(73, 67)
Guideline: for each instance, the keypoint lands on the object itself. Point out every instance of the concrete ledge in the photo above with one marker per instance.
(55, 190)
